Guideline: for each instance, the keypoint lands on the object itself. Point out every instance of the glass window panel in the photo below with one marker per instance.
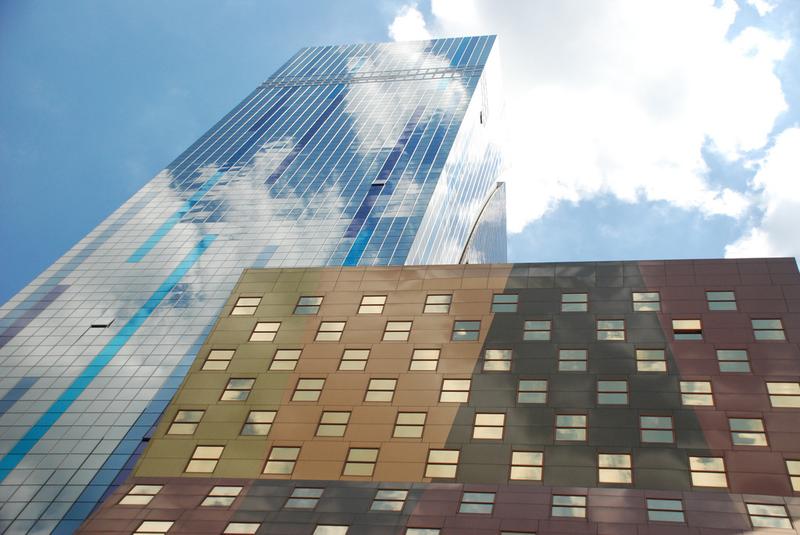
(466, 331)
(646, 301)
(532, 391)
(536, 330)
(437, 304)
(264, 331)
(708, 471)
(285, 359)
(497, 360)
(505, 302)
(354, 359)
(424, 360)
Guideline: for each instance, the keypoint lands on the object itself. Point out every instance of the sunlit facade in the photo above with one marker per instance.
(356, 155)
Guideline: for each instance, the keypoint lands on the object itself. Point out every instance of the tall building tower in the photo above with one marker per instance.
(369, 154)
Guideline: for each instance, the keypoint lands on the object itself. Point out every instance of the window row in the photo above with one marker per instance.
(568, 427)
(533, 330)
(501, 303)
(761, 515)
(494, 360)
(529, 391)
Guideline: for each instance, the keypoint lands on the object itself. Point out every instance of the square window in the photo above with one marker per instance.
(438, 304)
(308, 305)
(708, 471)
(572, 360)
(466, 331)
(733, 361)
(381, 390)
(409, 424)
(204, 459)
(532, 391)
(771, 329)
(241, 528)
(245, 306)
(614, 468)
(308, 389)
(424, 360)
(237, 389)
(303, 498)
(569, 506)
(526, 465)
(455, 390)
(354, 359)
(360, 462)
(697, 393)
(646, 301)
(330, 331)
(747, 432)
(333, 424)
(497, 360)
(442, 463)
(480, 503)
(611, 330)
(322, 529)
(571, 427)
(687, 329)
(612, 392)
(281, 460)
(285, 359)
(574, 302)
(784, 395)
(650, 360)
(153, 527)
(793, 468)
(656, 429)
(185, 422)
(397, 331)
(221, 496)
(265, 331)
(218, 359)
(537, 330)
(489, 426)
(661, 510)
(505, 302)
(372, 304)
(140, 494)
(258, 423)
(721, 300)
(764, 515)
(389, 500)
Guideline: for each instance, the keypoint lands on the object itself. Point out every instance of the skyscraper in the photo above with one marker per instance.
(368, 154)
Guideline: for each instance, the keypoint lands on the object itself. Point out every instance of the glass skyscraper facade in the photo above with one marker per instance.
(370, 154)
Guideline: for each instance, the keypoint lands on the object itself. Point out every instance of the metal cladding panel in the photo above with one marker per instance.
(332, 160)
(546, 398)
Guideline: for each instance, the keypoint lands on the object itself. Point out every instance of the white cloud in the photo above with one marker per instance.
(762, 6)
(621, 97)
(779, 198)
(408, 24)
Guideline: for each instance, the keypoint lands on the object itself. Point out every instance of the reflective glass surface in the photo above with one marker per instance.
(367, 154)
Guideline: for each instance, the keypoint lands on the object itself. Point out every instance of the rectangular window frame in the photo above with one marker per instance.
(221, 496)
(721, 300)
(245, 306)
(615, 468)
(354, 359)
(409, 424)
(537, 330)
(568, 506)
(185, 422)
(652, 426)
(330, 331)
(380, 390)
(497, 360)
(455, 388)
(610, 330)
(218, 360)
(768, 329)
(265, 331)
(748, 432)
(665, 510)
(333, 423)
(571, 424)
(372, 304)
(526, 465)
(308, 305)
(424, 360)
(258, 423)
(697, 393)
(504, 303)
(238, 389)
(306, 385)
(281, 460)
(687, 329)
(466, 331)
(397, 331)
(573, 360)
(730, 361)
(204, 455)
(647, 301)
(575, 302)
(612, 392)
(477, 503)
(285, 359)
(358, 463)
(486, 423)
(647, 360)
(704, 466)
(437, 304)
(532, 391)
(440, 460)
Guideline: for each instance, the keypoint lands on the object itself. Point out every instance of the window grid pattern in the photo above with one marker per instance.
(184, 238)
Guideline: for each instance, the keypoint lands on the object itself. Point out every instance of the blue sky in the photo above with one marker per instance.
(633, 132)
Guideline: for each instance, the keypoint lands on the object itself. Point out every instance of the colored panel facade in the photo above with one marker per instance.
(598, 398)
(347, 155)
